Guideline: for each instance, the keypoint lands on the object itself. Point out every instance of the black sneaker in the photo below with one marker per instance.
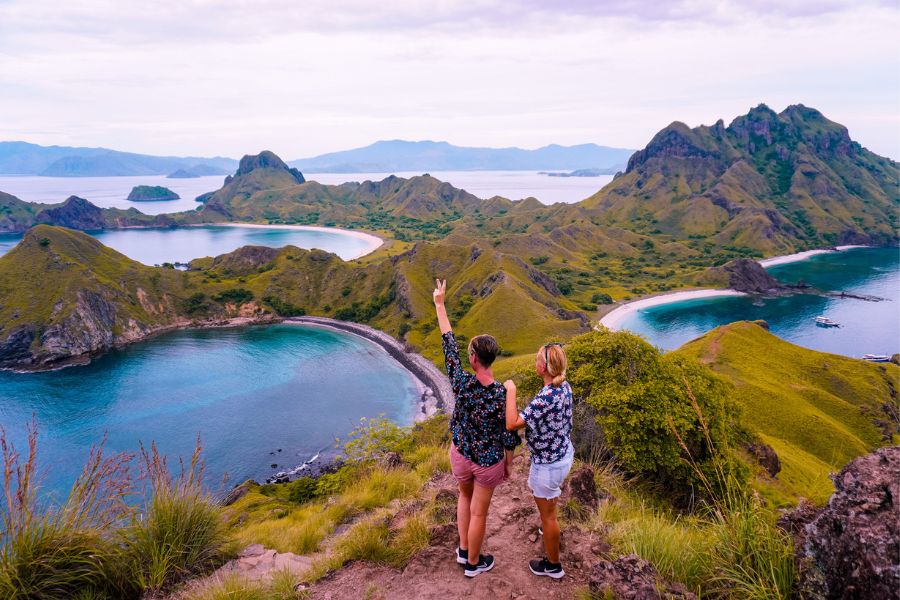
(462, 556)
(485, 563)
(545, 567)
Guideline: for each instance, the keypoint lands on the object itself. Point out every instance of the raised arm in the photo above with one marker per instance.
(513, 420)
(440, 290)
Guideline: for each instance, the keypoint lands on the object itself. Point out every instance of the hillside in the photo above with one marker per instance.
(816, 410)
(400, 155)
(772, 182)
(97, 298)
(22, 158)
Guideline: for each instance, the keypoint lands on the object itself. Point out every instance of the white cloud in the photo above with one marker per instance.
(304, 78)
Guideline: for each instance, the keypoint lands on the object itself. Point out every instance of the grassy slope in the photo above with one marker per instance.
(815, 409)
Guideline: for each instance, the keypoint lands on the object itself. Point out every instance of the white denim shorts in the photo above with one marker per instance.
(546, 480)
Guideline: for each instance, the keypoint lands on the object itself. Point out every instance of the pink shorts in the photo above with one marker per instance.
(465, 470)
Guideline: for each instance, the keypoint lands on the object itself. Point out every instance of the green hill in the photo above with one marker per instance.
(818, 411)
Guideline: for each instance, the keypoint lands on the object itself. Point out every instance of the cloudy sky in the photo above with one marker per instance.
(230, 77)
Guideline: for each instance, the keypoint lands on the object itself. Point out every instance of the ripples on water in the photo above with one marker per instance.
(247, 391)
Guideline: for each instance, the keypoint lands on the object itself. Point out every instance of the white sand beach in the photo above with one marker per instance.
(613, 319)
(790, 258)
(373, 242)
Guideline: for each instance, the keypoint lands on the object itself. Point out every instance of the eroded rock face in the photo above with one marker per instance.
(747, 275)
(851, 549)
(74, 213)
(632, 578)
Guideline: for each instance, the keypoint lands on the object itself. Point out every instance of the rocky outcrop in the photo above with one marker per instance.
(245, 260)
(851, 548)
(766, 457)
(633, 578)
(266, 160)
(746, 275)
(74, 213)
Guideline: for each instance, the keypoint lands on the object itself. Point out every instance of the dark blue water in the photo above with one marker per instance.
(866, 327)
(156, 246)
(246, 391)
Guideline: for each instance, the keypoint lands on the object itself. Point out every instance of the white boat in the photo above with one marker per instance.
(826, 322)
(876, 357)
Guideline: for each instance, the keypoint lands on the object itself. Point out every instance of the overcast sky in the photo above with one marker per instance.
(231, 77)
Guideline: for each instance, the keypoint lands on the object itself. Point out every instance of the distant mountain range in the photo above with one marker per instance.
(22, 158)
(399, 155)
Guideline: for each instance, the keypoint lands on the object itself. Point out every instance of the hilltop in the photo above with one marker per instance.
(400, 155)
(832, 410)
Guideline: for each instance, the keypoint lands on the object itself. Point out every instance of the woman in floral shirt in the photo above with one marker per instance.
(482, 446)
(548, 423)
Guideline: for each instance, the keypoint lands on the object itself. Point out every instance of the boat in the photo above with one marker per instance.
(876, 357)
(826, 322)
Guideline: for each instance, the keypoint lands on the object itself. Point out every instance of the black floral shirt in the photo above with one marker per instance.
(548, 418)
(478, 423)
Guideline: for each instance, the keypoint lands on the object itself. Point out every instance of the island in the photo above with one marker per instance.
(580, 173)
(151, 193)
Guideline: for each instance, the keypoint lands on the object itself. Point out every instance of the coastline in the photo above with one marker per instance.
(373, 241)
(436, 395)
(798, 256)
(613, 319)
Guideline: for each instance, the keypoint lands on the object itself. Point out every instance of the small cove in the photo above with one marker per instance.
(247, 392)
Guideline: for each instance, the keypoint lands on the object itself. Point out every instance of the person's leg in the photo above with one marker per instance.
(463, 512)
(550, 525)
(481, 502)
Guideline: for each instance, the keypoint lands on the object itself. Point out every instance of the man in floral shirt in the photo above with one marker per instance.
(482, 446)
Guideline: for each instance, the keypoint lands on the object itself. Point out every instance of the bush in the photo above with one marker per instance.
(302, 490)
(601, 298)
(196, 304)
(234, 296)
(664, 417)
(283, 307)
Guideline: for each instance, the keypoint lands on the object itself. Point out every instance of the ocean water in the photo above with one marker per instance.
(110, 192)
(156, 246)
(866, 327)
(247, 392)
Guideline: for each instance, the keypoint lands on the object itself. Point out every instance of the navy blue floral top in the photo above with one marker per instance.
(478, 423)
(549, 422)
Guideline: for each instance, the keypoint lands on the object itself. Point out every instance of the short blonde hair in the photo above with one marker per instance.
(555, 362)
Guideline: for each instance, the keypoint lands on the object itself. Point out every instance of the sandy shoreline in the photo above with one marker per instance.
(436, 395)
(613, 319)
(797, 257)
(373, 242)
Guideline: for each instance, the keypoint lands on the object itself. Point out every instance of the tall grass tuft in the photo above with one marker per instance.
(52, 552)
(181, 533)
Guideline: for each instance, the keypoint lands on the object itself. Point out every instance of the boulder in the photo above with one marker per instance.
(766, 457)
(632, 578)
(239, 492)
(582, 487)
(851, 549)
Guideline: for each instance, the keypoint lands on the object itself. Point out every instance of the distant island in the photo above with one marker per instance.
(196, 171)
(400, 155)
(581, 173)
(22, 158)
(151, 193)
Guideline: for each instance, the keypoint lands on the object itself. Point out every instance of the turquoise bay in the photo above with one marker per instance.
(155, 246)
(247, 392)
(866, 327)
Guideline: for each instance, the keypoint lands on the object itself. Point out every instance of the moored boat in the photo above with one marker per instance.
(876, 357)
(826, 322)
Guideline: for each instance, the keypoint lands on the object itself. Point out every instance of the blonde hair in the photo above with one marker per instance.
(554, 360)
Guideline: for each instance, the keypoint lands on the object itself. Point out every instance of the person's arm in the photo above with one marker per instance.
(440, 290)
(513, 420)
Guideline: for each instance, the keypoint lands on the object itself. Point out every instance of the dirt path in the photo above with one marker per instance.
(511, 537)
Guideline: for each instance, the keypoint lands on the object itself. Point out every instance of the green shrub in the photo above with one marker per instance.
(302, 490)
(663, 416)
(234, 296)
(283, 307)
(601, 298)
(197, 303)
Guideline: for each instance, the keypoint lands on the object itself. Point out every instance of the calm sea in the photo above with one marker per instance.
(866, 327)
(248, 392)
(110, 192)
